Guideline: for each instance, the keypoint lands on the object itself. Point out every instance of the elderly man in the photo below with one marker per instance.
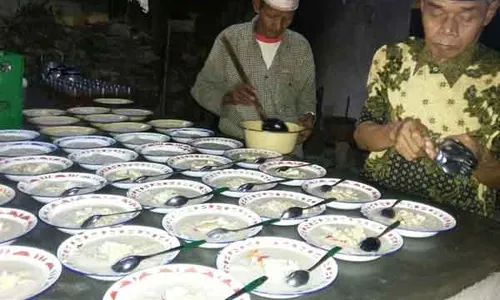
(423, 91)
(279, 63)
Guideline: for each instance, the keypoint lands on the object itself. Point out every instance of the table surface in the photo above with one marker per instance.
(432, 268)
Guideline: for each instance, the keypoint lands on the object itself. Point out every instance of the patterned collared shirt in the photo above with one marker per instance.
(286, 90)
(461, 96)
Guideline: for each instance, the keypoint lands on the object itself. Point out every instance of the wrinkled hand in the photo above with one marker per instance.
(243, 94)
(468, 141)
(306, 121)
(410, 138)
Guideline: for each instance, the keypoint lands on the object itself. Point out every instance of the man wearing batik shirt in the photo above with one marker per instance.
(421, 92)
(278, 62)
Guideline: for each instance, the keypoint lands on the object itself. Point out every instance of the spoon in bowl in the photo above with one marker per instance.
(301, 277)
(286, 168)
(325, 188)
(389, 212)
(250, 185)
(131, 262)
(218, 233)
(297, 212)
(181, 200)
(372, 244)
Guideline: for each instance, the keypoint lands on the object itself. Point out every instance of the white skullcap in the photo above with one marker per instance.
(283, 5)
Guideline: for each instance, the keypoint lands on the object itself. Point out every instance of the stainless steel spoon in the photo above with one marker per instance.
(92, 220)
(301, 277)
(250, 185)
(389, 212)
(297, 212)
(286, 168)
(75, 190)
(372, 244)
(181, 200)
(325, 188)
(218, 233)
(131, 262)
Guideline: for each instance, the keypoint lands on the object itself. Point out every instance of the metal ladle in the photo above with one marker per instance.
(268, 124)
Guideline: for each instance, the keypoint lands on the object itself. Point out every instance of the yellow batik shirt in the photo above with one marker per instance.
(459, 96)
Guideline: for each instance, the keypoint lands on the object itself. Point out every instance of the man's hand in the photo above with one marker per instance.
(306, 121)
(465, 139)
(242, 94)
(410, 138)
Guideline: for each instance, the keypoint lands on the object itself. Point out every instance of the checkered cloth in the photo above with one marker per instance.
(286, 90)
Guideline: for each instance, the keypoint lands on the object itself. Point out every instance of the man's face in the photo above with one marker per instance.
(451, 26)
(272, 23)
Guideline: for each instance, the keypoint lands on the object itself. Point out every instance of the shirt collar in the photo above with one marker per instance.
(452, 69)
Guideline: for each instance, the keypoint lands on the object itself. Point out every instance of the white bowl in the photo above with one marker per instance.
(48, 188)
(39, 165)
(191, 223)
(7, 194)
(164, 282)
(154, 194)
(88, 110)
(124, 127)
(98, 120)
(15, 135)
(63, 131)
(233, 179)
(16, 223)
(161, 125)
(215, 145)
(326, 232)
(186, 135)
(134, 114)
(133, 169)
(77, 253)
(350, 194)
(78, 208)
(419, 220)
(306, 173)
(73, 144)
(27, 148)
(245, 260)
(251, 154)
(113, 101)
(192, 162)
(271, 204)
(94, 159)
(40, 266)
(162, 151)
(135, 140)
(53, 121)
(42, 112)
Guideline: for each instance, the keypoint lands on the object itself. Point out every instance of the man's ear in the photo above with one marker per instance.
(492, 10)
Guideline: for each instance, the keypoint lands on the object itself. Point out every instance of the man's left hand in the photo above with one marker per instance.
(468, 141)
(306, 121)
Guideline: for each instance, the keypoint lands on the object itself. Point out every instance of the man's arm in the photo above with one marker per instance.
(210, 86)
(306, 101)
(488, 171)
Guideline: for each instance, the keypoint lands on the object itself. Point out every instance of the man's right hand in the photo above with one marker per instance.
(243, 94)
(410, 139)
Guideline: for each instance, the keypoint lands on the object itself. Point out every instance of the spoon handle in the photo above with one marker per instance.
(328, 254)
(214, 191)
(389, 228)
(249, 287)
(264, 223)
(126, 212)
(338, 182)
(396, 203)
(326, 201)
(190, 245)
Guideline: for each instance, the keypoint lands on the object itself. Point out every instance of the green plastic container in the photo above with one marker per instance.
(11, 90)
